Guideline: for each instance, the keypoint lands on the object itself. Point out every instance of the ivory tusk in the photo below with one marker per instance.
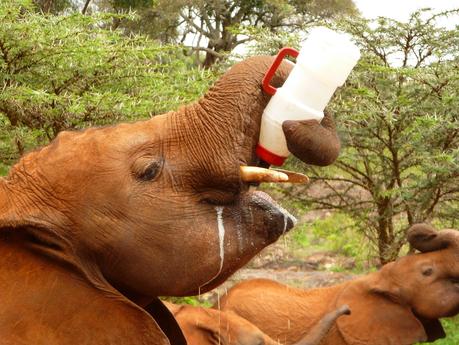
(293, 177)
(256, 174)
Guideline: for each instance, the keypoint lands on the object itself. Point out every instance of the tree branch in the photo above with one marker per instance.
(85, 7)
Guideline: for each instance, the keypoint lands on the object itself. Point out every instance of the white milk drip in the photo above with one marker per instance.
(324, 62)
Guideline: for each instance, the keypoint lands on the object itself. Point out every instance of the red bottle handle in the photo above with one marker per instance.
(271, 90)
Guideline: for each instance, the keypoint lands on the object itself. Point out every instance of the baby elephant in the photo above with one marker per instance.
(398, 305)
(205, 326)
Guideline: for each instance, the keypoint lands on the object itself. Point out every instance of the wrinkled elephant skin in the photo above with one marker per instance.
(134, 211)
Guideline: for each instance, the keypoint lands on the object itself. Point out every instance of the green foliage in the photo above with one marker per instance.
(398, 121)
(215, 28)
(335, 232)
(54, 6)
(451, 327)
(129, 4)
(338, 231)
(266, 42)
(72, 71)
(191, 300)
(157, 19)
(400, 124)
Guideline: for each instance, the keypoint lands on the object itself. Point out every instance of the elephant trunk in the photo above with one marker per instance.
(320, 330)
(230, 116)
(230, 113)
(425, 238)
(313, 143)
(219, 133)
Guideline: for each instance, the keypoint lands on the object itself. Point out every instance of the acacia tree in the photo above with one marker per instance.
(399, 123)
(54, 6)
(217, 27)
(217, 24)
(69, 71)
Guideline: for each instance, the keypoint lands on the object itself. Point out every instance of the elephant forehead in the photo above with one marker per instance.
(449, 259)
(446, 261)
(77, 155)
(107, 140)
(91, 145)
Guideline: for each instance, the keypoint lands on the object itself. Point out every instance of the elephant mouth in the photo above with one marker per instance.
(276, 220)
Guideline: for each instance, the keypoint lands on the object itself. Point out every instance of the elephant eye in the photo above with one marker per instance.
(427, 271)
(455, 282)
(147, 169)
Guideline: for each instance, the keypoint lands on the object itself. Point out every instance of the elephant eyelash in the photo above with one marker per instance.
(150, 172)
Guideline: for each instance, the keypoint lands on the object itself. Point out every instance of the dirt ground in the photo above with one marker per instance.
(277, 263)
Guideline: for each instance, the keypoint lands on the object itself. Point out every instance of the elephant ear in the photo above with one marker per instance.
(377, 317)
(19, 210)
(166, 321)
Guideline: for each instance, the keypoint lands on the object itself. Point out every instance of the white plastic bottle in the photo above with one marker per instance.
(324, 62)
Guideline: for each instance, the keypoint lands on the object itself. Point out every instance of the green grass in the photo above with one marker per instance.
(335, 233)
(191, 300)
(4, 169)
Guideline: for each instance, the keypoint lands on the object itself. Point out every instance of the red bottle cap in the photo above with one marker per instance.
(269, 157)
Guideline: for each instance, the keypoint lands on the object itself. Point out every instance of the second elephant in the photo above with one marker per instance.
(206, 326)
(400, 304)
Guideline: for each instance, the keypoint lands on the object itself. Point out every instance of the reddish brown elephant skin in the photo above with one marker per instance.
(102, 221)
(400, 304)
(39, 283)
(205, 326)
